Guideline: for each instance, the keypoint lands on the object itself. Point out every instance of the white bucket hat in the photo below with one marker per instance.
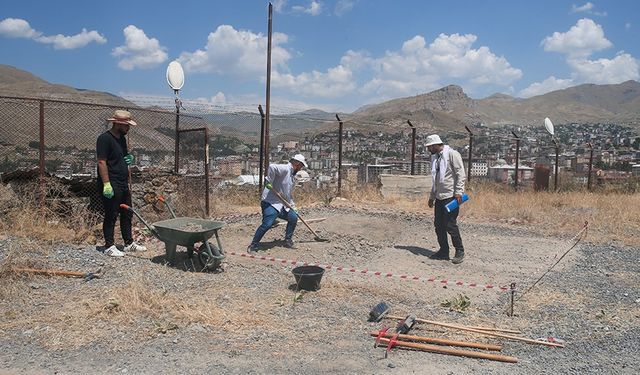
(433, 139)
(300, 158)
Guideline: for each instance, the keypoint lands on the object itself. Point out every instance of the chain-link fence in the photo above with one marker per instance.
(42, 141)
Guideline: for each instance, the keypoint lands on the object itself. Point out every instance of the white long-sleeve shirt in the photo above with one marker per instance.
(281, 177)
(454, 177)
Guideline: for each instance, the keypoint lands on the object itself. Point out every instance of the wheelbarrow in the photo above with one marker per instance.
(187, 231)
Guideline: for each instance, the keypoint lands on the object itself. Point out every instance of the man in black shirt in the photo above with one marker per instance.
(113, 181)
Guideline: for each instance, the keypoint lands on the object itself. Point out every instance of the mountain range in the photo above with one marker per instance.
(448, 108)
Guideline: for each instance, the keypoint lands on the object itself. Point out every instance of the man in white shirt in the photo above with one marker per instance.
(280, 178)
(447, 172)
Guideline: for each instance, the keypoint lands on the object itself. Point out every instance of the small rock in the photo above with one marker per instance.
(391, 365)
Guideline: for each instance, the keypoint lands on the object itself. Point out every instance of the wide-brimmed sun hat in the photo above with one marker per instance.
(433, 139)
(122, 117)
(300, 158)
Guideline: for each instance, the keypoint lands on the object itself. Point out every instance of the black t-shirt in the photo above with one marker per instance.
(113, 150)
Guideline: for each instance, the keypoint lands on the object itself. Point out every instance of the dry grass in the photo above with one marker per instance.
(612, 216)
(133, 311)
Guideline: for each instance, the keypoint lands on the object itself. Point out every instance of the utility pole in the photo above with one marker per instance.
(268, 94)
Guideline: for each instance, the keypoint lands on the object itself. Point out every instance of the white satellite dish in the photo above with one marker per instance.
(548, 125)
(175, 75)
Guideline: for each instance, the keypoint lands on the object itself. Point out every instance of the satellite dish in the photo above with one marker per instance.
(175, 75)
(548, 125)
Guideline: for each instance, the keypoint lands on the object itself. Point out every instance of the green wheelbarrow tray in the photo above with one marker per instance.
(173, 233)
(169, 230)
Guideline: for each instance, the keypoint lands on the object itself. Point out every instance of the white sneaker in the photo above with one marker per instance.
(113, 251)
(134, 247)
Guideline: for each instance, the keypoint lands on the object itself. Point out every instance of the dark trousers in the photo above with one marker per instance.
(111, 211)
(445, 222)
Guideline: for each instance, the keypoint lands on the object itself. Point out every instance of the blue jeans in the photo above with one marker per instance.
(269, 215)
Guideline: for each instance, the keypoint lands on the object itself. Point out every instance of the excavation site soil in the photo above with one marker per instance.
(142, 316)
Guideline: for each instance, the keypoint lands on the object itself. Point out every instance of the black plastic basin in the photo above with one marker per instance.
(308, 277)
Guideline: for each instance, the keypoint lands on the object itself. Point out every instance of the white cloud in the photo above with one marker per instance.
(584, 38)
(417, 67)
(314, 9)
(582, 8)
(278, 5)
(238, 52)
(550, 84)
(578, 44)
(627, 26)
(139, 51)
(19, 28)
(621, 68)
(344, 6)
(586, 8)
(72, 42)
(219, 98)
(336, 82)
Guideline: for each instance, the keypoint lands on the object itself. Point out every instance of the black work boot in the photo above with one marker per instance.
(288, 243)
(440, 255)
(459, 257)
(252, 249)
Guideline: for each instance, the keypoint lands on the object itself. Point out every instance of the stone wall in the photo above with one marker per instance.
(404, 186)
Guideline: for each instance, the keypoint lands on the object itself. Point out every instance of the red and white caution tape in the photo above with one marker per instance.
(433, 280)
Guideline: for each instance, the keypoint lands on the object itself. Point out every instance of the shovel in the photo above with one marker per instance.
(284, 201)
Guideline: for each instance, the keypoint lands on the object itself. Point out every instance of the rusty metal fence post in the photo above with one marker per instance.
(340, 123)
(413, 148)
(590, 165)
(470, 153)
(555, 174)
(262, 167)
(515, 180)
(41, 154)
(177, 146)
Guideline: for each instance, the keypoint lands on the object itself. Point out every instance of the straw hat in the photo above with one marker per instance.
(122, 117)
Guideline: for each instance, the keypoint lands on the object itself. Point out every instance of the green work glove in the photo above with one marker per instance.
(129, 159)
(295, 209)
(268, 185)
(107, 190)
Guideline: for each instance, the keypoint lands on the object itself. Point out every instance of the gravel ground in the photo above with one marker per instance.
(146, 317)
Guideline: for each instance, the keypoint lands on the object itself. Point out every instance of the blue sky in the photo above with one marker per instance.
(333, 55)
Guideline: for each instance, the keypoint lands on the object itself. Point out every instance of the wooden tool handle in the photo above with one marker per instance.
(487, 333)
(286, 203)
(50, 272)
(433, 340)
(458, 352)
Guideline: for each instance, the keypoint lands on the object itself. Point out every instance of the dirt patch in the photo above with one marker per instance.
(145, 317)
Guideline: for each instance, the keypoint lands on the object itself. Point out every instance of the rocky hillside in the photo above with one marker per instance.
(16, 82)
(451, 108)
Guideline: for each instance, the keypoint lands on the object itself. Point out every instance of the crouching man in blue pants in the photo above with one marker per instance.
(280, 178)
